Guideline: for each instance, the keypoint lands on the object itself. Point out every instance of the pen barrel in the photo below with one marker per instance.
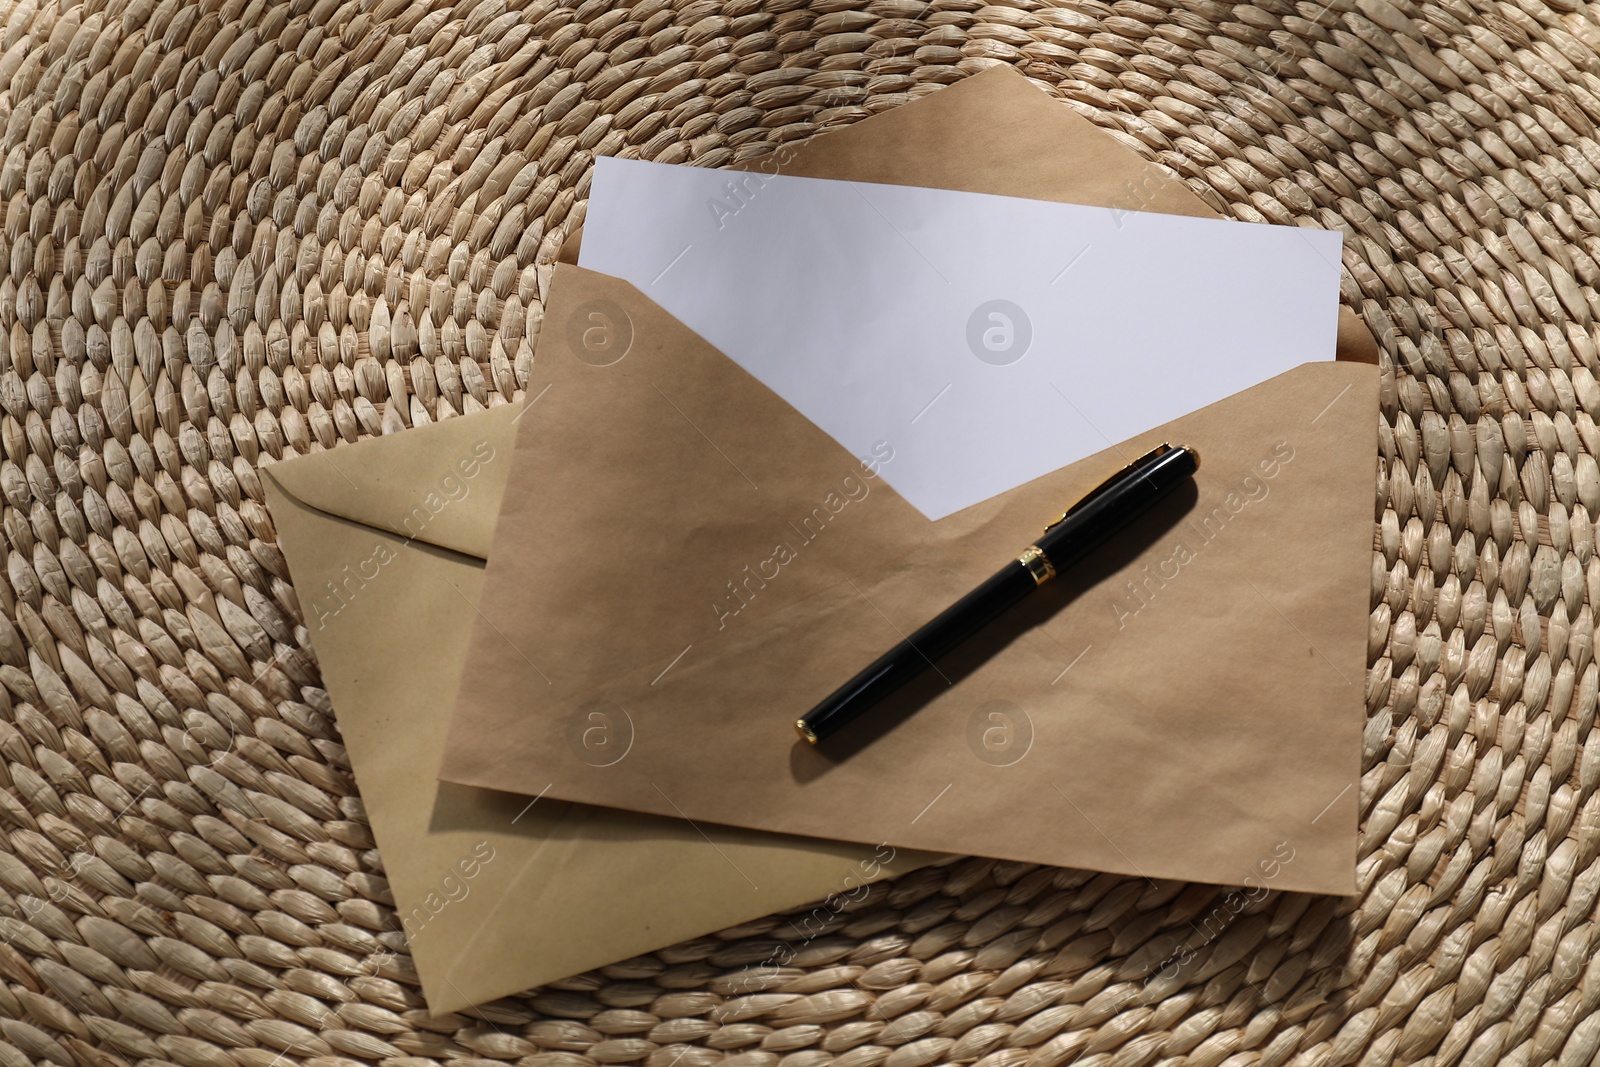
(1091, 525)
(916, 653)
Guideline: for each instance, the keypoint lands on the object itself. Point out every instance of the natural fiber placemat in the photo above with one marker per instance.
(235, 232)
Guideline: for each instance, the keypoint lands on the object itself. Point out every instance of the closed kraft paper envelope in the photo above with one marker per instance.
(386, 540)
(1189, 710)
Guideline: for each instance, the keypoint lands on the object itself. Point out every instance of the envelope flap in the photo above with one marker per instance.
(438, 484)
(1017, 140)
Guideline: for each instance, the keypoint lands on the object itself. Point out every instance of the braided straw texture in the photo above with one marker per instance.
(239, 231)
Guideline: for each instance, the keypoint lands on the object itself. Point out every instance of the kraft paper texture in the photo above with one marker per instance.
(680, 549)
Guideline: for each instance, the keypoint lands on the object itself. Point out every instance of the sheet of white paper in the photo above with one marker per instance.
(988, 339)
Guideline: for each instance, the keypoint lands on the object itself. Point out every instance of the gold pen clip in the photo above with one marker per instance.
(1149, 457)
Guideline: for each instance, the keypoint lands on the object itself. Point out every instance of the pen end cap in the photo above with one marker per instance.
(1195, 452)
(805, 731)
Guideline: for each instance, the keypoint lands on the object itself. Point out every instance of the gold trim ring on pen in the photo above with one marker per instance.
(1038, 564)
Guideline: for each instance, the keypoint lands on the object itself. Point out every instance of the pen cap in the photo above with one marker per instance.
(1116, 503)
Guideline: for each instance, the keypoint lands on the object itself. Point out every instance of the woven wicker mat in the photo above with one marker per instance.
(235, 232)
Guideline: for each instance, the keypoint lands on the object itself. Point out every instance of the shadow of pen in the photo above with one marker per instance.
(808, 762)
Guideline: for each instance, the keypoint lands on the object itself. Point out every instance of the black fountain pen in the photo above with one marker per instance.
(1089, 523)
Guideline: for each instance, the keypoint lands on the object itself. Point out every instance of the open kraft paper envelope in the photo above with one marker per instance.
(1195, 713)
(386, 540)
